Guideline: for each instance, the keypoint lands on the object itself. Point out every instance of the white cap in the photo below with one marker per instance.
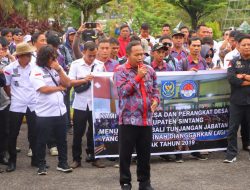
(27, 38)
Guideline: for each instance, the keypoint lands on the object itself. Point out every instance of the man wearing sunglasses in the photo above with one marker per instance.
(17, 35)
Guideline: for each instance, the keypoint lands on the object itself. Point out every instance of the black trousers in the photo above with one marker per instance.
(67, 104)
(237, 114)
(4, 130)
(45, 125)
(245, 133)
(139, 137)
(80, 119)
(16, 119)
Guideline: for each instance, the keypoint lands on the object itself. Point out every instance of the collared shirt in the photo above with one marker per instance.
(182, 54)
(135, 95)
(78, 70)
(122, 47)
(151, 40)
(165, 66)
(4, 99)
(47, 105)
(169, 64)
(240, 95)
(230, 56)
(188, 63)
(109, 65)
(21, 89)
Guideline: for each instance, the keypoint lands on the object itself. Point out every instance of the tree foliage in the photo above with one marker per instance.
(155, 13)
(197, 9)
(87, 6)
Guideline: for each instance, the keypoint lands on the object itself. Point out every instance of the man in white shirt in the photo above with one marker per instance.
(145, 34)
(80, 73)
(234, 53)
(23, 101)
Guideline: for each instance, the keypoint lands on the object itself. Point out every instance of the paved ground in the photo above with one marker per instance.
(191, 175)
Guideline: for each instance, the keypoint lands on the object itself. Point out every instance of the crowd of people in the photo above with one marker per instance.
(44, 74)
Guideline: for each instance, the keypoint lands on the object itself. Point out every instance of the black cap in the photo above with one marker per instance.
(159, 46)
(177, 33)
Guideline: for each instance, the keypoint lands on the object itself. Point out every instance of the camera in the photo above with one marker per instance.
(90, 24)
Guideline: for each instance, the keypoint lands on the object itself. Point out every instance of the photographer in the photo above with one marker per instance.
(86, 34)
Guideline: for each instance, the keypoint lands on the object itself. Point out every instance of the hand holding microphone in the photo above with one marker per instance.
(142, 71)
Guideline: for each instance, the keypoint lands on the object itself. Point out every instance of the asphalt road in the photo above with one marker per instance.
(190, 175)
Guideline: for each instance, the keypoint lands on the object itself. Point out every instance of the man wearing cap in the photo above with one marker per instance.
(70, 35)
(23, 101)
(178, 51)
(161, 62)
(17, 38)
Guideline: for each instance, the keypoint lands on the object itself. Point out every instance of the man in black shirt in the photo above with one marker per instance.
(239, 79)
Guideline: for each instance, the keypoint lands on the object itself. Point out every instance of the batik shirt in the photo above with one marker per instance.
(136, 95)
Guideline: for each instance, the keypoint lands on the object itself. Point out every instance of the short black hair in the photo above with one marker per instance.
(114, 41)
(190, 40)
(124, 26)
(145, 26)
(45, 54)
(16, 31)
(5, 31)
(234, 34)
(200, 25)
(135, 38)
(242, 37)
(130, 45)
(89, 45)
(103, 40)
(165, 37)
(35, 36)
(207, 40)
(166, 25)
(3, 41)
(53, 40)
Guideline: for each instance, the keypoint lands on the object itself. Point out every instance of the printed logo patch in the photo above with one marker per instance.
(188, 89)
(168, 89)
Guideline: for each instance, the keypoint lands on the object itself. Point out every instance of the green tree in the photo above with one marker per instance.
(88, 7)
(155, 13)
(197, 9)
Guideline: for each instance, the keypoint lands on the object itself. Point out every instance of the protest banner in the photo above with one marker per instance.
(193, 114)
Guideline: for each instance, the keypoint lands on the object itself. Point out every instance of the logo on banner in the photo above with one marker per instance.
(188, 89)
(168, 89)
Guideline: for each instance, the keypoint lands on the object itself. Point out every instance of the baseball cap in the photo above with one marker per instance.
(159, 46)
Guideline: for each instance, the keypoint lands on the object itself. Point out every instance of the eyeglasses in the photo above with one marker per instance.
(210, 55)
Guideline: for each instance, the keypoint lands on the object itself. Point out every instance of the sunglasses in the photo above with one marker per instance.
(19, 34)
(167, 44)
(210, 55)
